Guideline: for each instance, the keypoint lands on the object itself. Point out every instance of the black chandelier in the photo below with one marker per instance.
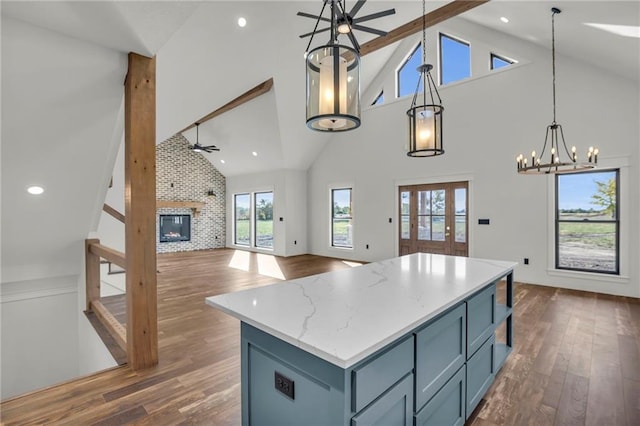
(333, 80)
(554, 163)
(425, 119)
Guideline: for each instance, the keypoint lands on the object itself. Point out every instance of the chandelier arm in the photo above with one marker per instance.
(435, 89)
(546, 138)
(316, 27)
(415, 93)
(564, 144)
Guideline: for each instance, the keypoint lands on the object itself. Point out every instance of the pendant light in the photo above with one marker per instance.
(554, 162)
(425, 119)
(333, 82)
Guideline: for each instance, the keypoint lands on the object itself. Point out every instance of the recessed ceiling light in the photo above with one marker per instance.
(504, 19)
(255, 154)
(222, 161)
(35, 190)
(242, 22)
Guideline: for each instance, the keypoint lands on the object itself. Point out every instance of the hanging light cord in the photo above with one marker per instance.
(315, 28)
(553, 59)
(424, 32)
(425, 73)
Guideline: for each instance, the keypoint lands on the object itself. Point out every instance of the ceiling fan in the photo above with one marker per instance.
(199, 148)
(345, 21)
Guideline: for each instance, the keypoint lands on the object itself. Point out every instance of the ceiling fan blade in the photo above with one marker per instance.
(369, 30)
(210, 149)
(374, 16)
(308, 15)
(354, 41)
(314, 32)
(356, 7)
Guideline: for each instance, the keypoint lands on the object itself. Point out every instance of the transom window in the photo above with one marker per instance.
(499, 62)
(587, 221)
(455, 59)
(408, 75)
(341, 218)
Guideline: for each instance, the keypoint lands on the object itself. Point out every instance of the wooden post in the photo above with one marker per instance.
(92, 272)
(140, 212)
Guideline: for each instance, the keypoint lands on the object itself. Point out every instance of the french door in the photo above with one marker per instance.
(434, 218)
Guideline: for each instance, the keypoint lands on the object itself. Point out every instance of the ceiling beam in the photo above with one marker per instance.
(435, 17)
(250, 94)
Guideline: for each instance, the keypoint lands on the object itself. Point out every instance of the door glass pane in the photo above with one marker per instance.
(461, 201)
(424, 227)
(405, 227)
(405, 202)
(461, 229)
(264, 219)
(242, 219)
(438, 228)
(424, 206)
(438, 202)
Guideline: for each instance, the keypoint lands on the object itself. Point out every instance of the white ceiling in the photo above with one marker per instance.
(201, 35)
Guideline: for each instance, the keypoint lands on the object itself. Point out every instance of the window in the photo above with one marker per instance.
(263, 207)
(499, 62)
(431, 215)
(408, 76)
(587, 221)
(455, 59)
(379, 99)
(405, 215)
(341, 218)
(242, 206)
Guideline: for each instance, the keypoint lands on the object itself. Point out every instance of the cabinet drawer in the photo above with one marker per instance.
(376, 376)
(480, 318)
(394, 408)
(440, 352)
(480, 374)
(446, 408)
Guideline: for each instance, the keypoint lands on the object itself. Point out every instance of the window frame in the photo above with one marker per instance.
(235, 219)
(332, 217)
(254, 209)
(615, 221)
(380, 98)
(441, 61)
(500, 57)
(401, 67)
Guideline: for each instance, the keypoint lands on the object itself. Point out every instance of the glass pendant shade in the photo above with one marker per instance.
(425, 120)
(425, 131)
(333, 88)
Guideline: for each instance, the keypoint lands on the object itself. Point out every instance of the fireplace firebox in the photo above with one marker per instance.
(175, 227)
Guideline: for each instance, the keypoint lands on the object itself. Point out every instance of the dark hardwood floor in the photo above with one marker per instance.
(576, 358)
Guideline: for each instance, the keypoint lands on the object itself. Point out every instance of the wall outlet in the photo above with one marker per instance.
(390, 220)
(284, 385)
(526, 260)
(295, 242)
(367, 246)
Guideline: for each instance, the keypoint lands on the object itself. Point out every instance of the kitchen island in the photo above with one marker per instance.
(391, 342)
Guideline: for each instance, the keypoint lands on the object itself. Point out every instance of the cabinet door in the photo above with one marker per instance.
(440, 352)
(376, 376)
(394, 408)
(480, 374)
(480, 318)
(447, 406)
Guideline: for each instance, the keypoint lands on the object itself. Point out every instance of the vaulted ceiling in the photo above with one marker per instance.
(205, 59)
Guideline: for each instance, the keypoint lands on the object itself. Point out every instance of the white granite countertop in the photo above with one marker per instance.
(345, 316)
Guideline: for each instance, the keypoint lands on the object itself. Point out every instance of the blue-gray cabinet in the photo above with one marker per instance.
(435, 374)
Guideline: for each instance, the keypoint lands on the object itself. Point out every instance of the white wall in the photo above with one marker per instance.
(487, 122)
(62, 121)
(289, 203)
